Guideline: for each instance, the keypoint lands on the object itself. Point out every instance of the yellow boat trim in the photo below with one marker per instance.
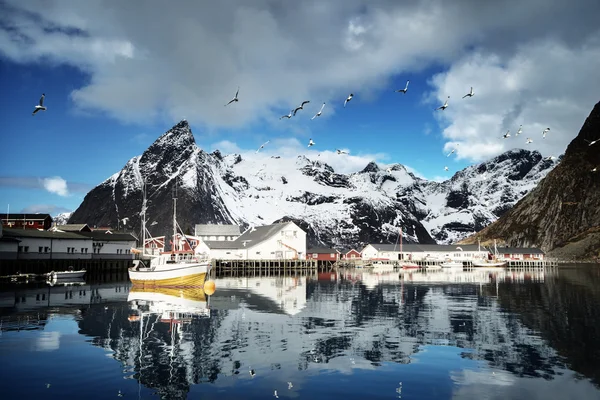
(179, 282)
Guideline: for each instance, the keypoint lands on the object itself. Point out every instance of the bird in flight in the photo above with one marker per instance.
(41, 105)
(506, 135)
(445, 168)
(301, 107)
(449, 154)
(549, 158)
(348, 99)
(286, 116)
(593, 142)
(529, 140)
(470, 94)
(341, 151)
(235, 98)
(443, 107)
(544, 132)
(520, 130)
(405, 88)
(310, 143)
(319, 113)
(262, 145)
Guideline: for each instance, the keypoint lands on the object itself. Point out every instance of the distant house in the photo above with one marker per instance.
(27, 221)
(8, 247)
(423, 252)
(155, 245)
(323, 254)
(214, 232)
(270, 242)
(516, 253)
(34, 244)
(185, 242)
(106, 245)
(351, 254)
(71, 228)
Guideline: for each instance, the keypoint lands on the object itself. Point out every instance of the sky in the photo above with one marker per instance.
(117, 74)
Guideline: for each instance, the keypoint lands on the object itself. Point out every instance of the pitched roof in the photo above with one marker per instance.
(73, 228)
(221, 244)
(216, 230)
(416, 247)
(27, 216)
(259, 234)
(113, 237)
(322, 250)
(519, 250)
(34, 233)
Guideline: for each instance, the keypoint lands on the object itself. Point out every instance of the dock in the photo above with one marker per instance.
(258, 268)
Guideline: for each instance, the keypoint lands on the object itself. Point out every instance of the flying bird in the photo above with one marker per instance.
(443, 107)
(405, 88)
(470, 94)
(41, 105)
(319, 113)
(449, 154)
(341, 151)
(262, 145)
(595, 169)
(301, 107)
(549, 158)
(252, 373)
(235, 98)
(445, 168)
(348, 99)
(389, 170)
(593, 142)
(544, 132)
(287, 116)
(529, 140)
(310, 143)
(290, 385)
(520, 130)
(506, 135)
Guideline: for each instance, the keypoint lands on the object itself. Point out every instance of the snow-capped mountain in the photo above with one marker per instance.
(339, 210)
(62, 218)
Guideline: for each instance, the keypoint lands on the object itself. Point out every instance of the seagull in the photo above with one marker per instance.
(341, 151)
(520, 130)
(405, 88)
(389, 170)
(449, 154)
(544, 132)
(445, 168)
(348, 99)
(275, 394)
(287, 116)
(506, 135)
(310, 142)
(235, 98)
(549, 158)
(595, 169)
(592, 142)
(529, 140)
(290, 385)
(319, 113)
(262, 145)
(470, 94)
(41, 105)
(444, 106)
(301, 107)
(252, 373)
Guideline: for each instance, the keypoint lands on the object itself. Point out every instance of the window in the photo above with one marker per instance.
(40, 249)
(20, 249)
(30, 222)
(26, 249)
(332, 255)
(258, 253)
(315, 255)
(295, 233)
(46, 249)
(82, 249)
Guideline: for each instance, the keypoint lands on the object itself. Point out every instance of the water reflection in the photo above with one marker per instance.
(443, 334)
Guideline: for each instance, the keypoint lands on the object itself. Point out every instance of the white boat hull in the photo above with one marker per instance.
(451, 264)
(176, 275)
(66, 274)
(488, 264)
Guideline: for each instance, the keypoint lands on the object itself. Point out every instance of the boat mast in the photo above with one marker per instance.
(174, 217)
(143, 217)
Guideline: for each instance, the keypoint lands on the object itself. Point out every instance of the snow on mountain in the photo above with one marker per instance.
(340, 210)
(62, 218)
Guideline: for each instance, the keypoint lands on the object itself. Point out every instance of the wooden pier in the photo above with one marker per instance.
(511, 264)
(258, 268)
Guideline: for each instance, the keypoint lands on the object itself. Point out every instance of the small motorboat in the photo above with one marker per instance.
(451, 264)
(409, 265)
(68, 274)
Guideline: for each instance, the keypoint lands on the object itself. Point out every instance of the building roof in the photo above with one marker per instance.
(217, 230)
(221, 244)
(258, 234)
(519, 250)
(35, 233)
(113, 237)
(26, 216)
(322, 250)
(73, 228)
(416, 247)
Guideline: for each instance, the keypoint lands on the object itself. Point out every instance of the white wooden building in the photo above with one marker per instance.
(270, 242)
(108, 245)
(8, 246)
(214, 232)
(423, 252)
(36, 244)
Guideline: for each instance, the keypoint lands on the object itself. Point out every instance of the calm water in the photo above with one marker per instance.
(435, 335)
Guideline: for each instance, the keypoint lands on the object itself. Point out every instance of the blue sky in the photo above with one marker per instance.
(115, 80)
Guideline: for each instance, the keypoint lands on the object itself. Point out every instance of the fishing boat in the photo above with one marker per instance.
(170, 269)
(451, 264)
(379, 267)
(495, 262)
(402, 263)
(70, 273)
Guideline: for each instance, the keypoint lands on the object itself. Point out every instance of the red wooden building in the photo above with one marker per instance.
(322, 254)
(351, 255)
(27, 221)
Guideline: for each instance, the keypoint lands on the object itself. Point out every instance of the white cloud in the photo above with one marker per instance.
(544, 84)
(56, 185)
(51, 209)
(539, 74)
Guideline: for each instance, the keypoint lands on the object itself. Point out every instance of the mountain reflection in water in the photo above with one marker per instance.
(425, 335)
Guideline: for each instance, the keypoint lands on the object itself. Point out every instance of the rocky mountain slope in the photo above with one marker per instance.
(340, 210)
(562, 214)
